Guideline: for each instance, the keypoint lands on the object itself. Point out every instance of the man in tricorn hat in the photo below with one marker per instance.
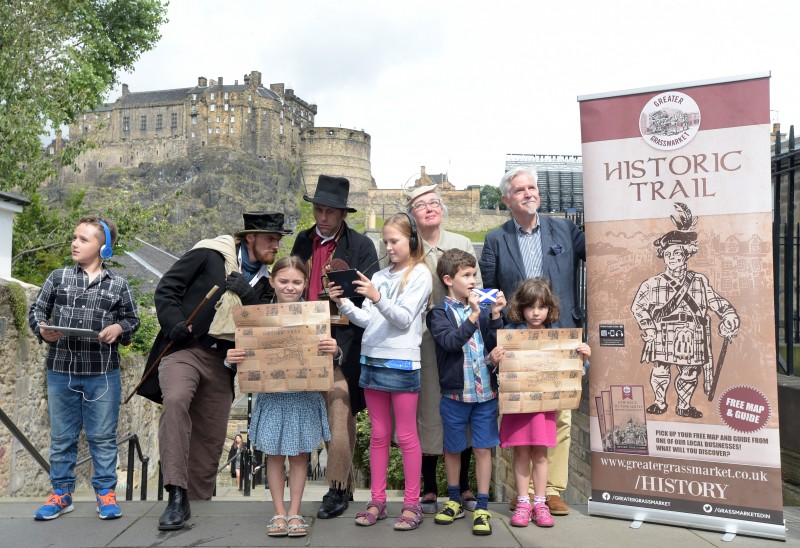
(671, 309)
(193, 381)
(329, 239)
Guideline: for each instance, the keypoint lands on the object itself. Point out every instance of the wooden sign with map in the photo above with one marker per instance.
(281, 343)
(540, 371)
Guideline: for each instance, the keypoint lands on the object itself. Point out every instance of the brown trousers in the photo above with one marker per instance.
(343, 433)
(194, 419)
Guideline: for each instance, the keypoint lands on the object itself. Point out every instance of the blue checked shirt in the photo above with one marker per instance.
(474, 360)
(68, 299)
(530, 246)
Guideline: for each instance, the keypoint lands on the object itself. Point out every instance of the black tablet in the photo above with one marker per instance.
(345, 279)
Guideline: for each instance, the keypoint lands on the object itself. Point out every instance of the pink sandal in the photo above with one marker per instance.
(405, 523)
(369, 516)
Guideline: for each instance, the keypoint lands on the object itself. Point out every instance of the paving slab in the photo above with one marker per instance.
(235, 522)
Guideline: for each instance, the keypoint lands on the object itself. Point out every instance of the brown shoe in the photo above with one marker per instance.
(557, 506)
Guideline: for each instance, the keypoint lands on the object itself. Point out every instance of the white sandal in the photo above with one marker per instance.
(297, 529)
(276, 529)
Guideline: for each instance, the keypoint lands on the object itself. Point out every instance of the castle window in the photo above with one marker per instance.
(159, 121)
(212, 108)
(217, 119)
(211, 130)
(84, 117)
(143, 123)
(231, 129)
(208, 119)
(227, 95)
(249, 97)
(281, 115)
(249, 110)
(126, 123)
(281, 131)
(108, 115)
(193, 135)
(212, 96)
(194, 97)
(216, 130)
(194, 120)
(233, 119)
(225, 107)
(174, 120)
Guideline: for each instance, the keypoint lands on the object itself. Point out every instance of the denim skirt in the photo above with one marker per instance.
(389, 380)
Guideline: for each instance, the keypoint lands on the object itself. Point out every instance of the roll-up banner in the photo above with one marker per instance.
(683, 386)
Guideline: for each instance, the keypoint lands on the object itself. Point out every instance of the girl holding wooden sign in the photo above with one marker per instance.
(533, 306)
(391, 314)
(288, 424)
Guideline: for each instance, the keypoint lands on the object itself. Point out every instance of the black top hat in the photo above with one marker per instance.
(263, 221)
(331, 192)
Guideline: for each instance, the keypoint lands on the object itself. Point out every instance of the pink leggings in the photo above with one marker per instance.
(405, 416)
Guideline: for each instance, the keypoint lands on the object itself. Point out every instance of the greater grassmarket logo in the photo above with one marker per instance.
(669, 120)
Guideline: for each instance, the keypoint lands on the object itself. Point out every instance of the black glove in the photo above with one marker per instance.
(239, 285)
(180, 333)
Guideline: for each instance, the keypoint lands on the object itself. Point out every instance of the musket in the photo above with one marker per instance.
(718, 369)
(170, 343)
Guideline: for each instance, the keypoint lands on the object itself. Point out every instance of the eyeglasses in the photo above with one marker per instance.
(433, 204)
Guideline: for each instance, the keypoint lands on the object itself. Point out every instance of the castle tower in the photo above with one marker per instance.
(336, 151)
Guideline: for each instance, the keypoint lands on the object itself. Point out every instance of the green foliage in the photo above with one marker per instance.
(57, 60)
(42, 235)
(148, 328)
(19, 305)
(491, 197)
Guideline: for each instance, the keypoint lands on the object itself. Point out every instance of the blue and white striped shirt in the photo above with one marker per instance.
(530, 246)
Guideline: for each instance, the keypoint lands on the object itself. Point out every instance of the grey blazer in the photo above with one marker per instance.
(563, 246)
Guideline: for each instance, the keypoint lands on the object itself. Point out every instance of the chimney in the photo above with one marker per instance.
(219, 81)
(255, 78)
(246, 79)
(202, 82)
(236, 82)
(277, 88)
(125, 90)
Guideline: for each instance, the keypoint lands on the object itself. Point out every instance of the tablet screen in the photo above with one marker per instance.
(345, 279)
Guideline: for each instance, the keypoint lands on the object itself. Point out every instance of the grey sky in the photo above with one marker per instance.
(455, 85)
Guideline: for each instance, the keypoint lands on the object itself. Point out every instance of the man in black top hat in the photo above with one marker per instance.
(329, 239)
(193, 381)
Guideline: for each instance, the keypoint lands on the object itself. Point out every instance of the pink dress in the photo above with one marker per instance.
(528, 429)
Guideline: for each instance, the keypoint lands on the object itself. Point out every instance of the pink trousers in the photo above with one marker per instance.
(404, 404)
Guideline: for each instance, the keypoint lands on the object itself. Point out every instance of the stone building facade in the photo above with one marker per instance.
(268, 122)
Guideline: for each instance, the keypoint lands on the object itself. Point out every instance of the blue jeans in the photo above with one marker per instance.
(97, 411)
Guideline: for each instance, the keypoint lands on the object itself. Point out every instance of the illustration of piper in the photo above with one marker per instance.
(671, 309)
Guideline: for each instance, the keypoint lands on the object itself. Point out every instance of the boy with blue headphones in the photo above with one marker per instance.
(83, 380)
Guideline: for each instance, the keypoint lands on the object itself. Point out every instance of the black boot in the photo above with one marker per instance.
(333, 504)
(178, 512)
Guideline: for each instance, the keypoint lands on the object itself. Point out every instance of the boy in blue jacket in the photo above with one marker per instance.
(467, 356)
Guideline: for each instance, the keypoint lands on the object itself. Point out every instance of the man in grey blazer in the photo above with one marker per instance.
(528, 246)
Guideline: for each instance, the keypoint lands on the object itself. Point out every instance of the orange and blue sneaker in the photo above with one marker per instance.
(58, 503)
(107, 506)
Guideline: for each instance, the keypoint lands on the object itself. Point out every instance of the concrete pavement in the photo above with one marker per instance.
(233, 520)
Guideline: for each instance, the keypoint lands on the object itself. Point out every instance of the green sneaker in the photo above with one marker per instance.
(450, 512)
(481, 525)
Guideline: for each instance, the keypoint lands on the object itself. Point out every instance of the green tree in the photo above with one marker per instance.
(490, 197)
(58, 59)
(42, 236)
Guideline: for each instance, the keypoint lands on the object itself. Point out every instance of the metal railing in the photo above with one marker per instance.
(786, 249)
(134, 450)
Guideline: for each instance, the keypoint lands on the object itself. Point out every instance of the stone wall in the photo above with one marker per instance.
(340, 152)
(23, 397)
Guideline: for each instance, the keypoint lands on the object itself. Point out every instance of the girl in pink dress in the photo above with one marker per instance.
(533, 306)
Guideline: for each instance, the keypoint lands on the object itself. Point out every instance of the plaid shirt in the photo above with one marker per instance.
(68, 299)
(474, 361)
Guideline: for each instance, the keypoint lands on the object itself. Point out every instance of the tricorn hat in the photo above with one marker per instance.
(263, 221)
(331, 192)
(416, 192)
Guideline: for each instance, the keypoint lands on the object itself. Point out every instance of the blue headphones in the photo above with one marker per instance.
(106, 251)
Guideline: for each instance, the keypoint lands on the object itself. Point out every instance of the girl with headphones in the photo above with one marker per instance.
(391, 314)
(83, 381)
